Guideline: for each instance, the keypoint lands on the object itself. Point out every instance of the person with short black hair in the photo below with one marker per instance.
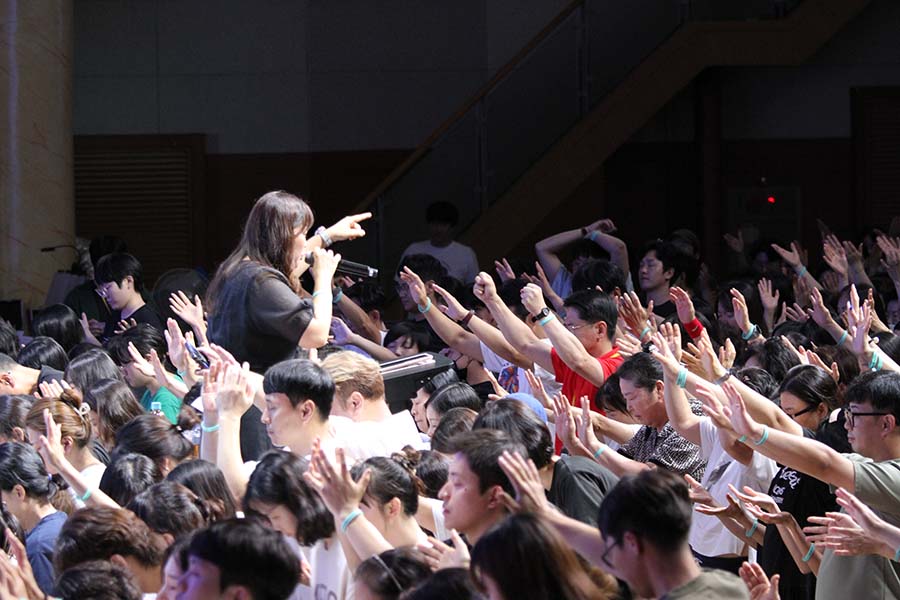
(299, 396)
(19, 379)
(239, 558)
(120, 280)
(473, 494)
(90, 367)
(42, 352)
(388, 575)
(128, 476)
(662, 263)
(645, 522)
(575, 484)
(98, 580)
(454, 395)
(459, 259)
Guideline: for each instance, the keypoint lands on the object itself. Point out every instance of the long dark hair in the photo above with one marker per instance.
(267, 238)
(545, 566)
(208, 482)
(20, 464)
(278, 481)
(114, 404)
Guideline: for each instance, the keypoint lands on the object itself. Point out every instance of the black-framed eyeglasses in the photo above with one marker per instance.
(803, 412)
(850, 415)
(606, 552)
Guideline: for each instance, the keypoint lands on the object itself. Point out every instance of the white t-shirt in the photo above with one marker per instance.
(460, 260)
(494, 363)
(365, 439)
(330, 577)
(708, 536)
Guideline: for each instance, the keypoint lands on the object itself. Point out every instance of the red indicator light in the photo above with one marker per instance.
(771, 199)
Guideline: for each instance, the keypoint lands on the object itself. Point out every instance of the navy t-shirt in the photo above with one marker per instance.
(39, 545)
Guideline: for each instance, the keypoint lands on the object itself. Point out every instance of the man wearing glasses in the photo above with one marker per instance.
(872, 472)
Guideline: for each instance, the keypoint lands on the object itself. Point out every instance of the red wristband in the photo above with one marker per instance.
(694, 328)
(465, 320)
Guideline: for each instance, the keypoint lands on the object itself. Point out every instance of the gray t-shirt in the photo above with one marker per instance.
(711, 584)
(867, 577)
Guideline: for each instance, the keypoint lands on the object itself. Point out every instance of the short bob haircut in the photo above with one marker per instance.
(114, 268)
(300, 380)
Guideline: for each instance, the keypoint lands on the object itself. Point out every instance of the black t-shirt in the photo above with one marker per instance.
(48, 374)
(85, 299)
(259, 319)
(802, 496)
(578, 487)
(144, 314)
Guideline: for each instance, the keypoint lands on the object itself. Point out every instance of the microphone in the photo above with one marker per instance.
(347, 267)
(52, 248)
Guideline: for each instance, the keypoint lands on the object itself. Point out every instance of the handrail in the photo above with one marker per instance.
(483, 91)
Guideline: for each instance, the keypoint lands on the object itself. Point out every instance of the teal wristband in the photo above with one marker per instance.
(426, 308)
(599, 451)
(546, 319)
(349, 519)
(801, 271)
(764, 437)
(897, 555)
(314, 294)
(749, 533)
(750, 334)
(593, 235)
(843, 339)
(84, 497)
(338, 296)
(644, 332)
(681, 380)
(876, 362)
(210, 429)
(809, 553)
(742, 439)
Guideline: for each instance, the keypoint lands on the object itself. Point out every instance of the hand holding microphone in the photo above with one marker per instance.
(343, 267)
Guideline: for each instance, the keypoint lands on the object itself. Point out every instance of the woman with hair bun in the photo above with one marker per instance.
(71, 415)
(27, 489)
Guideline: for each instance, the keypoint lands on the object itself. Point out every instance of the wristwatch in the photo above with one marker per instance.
(545, 312)
(323, 234)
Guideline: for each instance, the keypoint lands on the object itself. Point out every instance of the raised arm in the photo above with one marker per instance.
(316, 333)
(448, 330)
(807, 456)
(357, 317)
(601, 234)
(569, 348)
(686, 423)
(233, 398)
(514, 330)
(548, 250)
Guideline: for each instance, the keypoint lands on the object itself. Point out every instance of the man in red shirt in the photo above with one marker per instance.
(581, 352)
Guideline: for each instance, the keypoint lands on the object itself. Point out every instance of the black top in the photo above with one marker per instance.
(258, 317)
(144, 314)
(48, 374)
(578, 487)
(803, 496)
(85, 299)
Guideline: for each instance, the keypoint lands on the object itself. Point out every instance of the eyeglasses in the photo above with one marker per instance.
(606, 552)
(802, 412)
(850, 415)
(571, 327)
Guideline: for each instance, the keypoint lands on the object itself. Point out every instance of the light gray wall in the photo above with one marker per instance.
(290, 75)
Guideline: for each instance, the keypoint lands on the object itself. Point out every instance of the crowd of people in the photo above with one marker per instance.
(606, 429)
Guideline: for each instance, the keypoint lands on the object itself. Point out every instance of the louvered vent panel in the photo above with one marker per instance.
(877, 132)
(140, 192)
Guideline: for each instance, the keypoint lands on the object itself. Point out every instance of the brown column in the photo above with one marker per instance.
(36, 186)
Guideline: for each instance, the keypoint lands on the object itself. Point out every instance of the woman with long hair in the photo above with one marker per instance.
(254, 302)
(524, 558)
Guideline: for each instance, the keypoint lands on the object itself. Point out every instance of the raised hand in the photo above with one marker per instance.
(835, 256)
(628, 345)
(732, 509)
(796, 313)
(727, 354)
(189, 312)
(538, 390)
(333, 482)
(52, 388)
(86, 326)
(890, 248)
(453, 308)
(484, 287)
(348, 228)
(585, 425)
(324, 265)
(504, 271)
(635, 317)
(663, 352)
(16, 574)
(234, 394)
(758, 583)
(526, 482)
(671, 335)
(50, 445)
(712, 406)
(790, 257)
(769, 300)
(697, 493)
(532, 298)
(418, 291)
(566, 428)
(603, 226)
(818, 311)
(684, 306)
(139, 362)
(741, 421)
(439, 555)
(735, 242)
(175, 346)
(163, 378)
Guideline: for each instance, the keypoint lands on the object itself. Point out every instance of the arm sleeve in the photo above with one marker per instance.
(276, 310)
(877, 483)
